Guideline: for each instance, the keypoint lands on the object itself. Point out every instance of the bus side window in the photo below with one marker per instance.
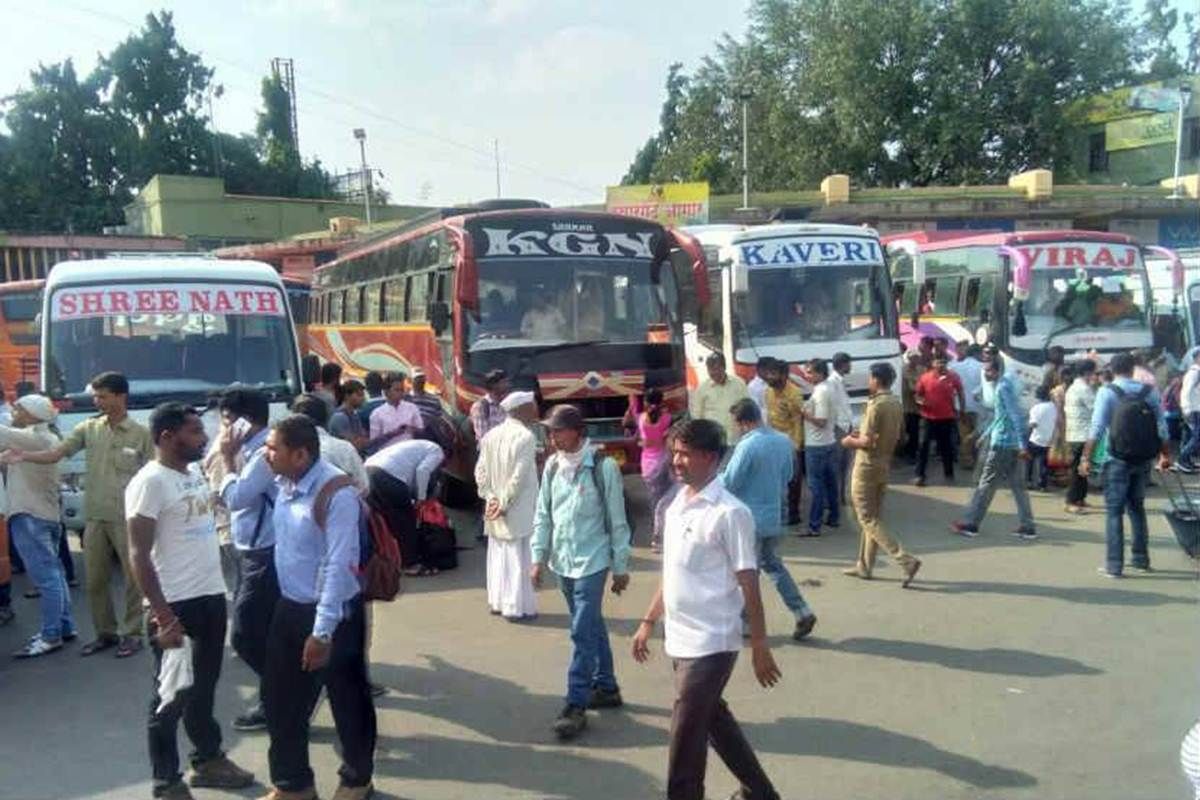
(374, 298)
(710, 327)
(335, 307)
(681, 269)
(393, 301)
(352, 308)
(978, 302)
(911, 293)
(945, 295)
(418, 297)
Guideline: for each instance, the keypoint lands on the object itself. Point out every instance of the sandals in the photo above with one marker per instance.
(98, 645)
(129, 646)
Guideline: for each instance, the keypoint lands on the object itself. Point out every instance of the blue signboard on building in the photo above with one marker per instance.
(972, 224)
(1179, 232)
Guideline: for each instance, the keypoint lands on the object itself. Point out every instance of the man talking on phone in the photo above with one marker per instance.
(397, 419)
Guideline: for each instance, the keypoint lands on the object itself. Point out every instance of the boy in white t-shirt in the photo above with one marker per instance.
(176, 560)
(1043, 424)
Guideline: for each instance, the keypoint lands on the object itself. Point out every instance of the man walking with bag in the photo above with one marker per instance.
(580, 531)
(1131, 414)
(177, 562)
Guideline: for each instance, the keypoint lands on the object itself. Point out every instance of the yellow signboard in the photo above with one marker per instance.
(1144, 131)
(666, 203)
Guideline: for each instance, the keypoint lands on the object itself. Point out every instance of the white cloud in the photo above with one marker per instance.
(499, 12)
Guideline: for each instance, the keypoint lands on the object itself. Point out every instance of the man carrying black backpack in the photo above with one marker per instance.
(1130, 413)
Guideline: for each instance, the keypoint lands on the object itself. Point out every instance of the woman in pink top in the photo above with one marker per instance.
(652, 425)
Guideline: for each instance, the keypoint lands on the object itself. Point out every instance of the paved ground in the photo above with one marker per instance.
(1011, 670)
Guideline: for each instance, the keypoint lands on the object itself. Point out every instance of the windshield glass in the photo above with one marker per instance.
(814, 304)
(555, 301)
(178, 356)
(1094, 308)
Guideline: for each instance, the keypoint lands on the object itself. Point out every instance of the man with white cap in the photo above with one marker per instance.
(33, 520)
(507, 481)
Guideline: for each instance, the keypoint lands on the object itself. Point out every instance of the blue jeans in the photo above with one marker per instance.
(1188, 453)
(821, 463)
(592, 659)
(1125, 489)
(770, 563)
(37, 540)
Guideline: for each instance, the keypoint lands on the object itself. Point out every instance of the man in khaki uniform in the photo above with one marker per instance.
(876, 442)
(117, 447)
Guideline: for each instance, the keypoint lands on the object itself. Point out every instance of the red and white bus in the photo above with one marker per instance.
(579, 307)
(1024, 292)
(20, 308)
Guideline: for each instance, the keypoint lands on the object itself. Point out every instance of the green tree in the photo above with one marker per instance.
(275, 125)
(1159, 22)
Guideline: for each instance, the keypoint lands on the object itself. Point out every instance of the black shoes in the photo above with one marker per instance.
(605, 698)
(570, 723)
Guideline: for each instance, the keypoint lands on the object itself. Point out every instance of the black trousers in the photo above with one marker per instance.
(795, 492)
(1078, 488)
(701, 718)
(943, 432)
(392, 497)
(912, 435)
(203, 621)
(253, 606)
(289, 694)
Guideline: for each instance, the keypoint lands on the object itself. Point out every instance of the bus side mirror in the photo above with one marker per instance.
(439, 317)
(740, 278)
(310, 369)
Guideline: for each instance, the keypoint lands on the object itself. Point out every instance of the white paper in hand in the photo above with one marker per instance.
(175, 675)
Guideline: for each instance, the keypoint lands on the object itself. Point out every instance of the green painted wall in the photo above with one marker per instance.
(199, 208)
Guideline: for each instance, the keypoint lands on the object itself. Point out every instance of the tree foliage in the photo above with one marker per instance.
(907, 92)
(77, 150)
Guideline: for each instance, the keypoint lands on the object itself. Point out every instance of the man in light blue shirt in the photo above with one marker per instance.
(580, 530)
(1005, 442)
(318, 632)
(1125, 476)
(248, 491)
(758, 473)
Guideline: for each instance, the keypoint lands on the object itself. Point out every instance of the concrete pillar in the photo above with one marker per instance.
(1037, 184)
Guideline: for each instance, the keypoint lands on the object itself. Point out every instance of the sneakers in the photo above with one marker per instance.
(804, 626)
(910, 572)
(605, 698)
(253, 720)
(1186, 469)
(7, 615)
(963, 529)
(918, 482)
(221, 773)
(176, 791)
(281, 794)
(1143, 570)
(37, 646)
(1025, 533)
(570, 723)
(354, 792)
(1104, 571)
(1070, 508)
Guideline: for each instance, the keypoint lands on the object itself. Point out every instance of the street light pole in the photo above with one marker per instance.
(361, 135)
(1185, 96)
(745, 98)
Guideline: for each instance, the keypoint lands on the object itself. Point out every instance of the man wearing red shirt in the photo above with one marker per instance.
(935, 394)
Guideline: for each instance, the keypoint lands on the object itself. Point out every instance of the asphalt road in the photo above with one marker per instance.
(1010, 670)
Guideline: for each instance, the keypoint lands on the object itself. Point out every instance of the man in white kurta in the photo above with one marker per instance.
(506, 477)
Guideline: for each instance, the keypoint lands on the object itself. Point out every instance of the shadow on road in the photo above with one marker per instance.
(990, 660)
(1096, 595)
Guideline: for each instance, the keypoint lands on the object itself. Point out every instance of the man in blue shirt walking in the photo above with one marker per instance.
(1125, 475)
(318, 632)
(248, 491)
(580, 530)
(1006, 448)
(758, 473)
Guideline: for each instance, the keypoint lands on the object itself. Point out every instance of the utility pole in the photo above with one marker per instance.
(496, 150)
(745, 96)
(361, 135)
(284, 70)
(212, 122)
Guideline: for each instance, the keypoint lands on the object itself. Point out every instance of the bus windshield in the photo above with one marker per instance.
(554, 301)
(1102, 308)
(815, 304)
(184, 356)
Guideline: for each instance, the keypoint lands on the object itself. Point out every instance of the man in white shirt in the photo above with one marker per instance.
(969, 369)
(507, 481)
(710, 574)
(396, 419)
(757, 387)
(399, 477)
(176, 561)
(544, 321)
(1189, 404)
(843, 417)
(821, 450)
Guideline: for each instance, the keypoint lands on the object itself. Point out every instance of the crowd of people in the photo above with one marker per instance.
(287, 502)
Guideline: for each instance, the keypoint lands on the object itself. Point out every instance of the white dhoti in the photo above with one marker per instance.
(509, 589)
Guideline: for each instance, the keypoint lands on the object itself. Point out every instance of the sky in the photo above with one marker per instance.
(568, 88)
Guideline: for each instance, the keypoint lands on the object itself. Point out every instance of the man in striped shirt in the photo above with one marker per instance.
(1006, 448)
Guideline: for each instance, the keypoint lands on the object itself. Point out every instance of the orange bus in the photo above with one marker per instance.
(20, 333)
(578, 307)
